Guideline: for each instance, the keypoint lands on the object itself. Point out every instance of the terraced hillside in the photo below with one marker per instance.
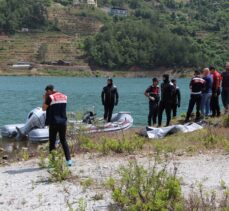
(65, 44)
(69, 23)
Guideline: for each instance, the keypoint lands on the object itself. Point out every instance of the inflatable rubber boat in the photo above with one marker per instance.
(34, 120)
(35, 130)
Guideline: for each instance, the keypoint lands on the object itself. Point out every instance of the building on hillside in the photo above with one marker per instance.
(92, 3)
(24, 29)
(118, 11)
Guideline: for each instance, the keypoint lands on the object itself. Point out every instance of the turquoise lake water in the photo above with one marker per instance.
(19, 95)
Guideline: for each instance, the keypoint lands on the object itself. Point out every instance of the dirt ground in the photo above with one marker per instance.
(25, 186)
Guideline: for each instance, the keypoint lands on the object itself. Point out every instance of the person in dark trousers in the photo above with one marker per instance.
(196, 86)
(109, 98)
(176, 98)
(206, 92)
(153, 94)
(225, 88)
(167, 92)
(55, 106)
(215, 107)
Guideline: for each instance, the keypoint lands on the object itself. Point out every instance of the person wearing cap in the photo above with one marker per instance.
(215, 107)
(167, 93)
(153, 94)
(176, 98)
(225, 88)
(206, 92)
(196, 86)
(109, 97)
(54, 103)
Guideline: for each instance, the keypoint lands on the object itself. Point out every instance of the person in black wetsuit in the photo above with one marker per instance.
(109, 98)
(196, 87)
(176, 98)
(225, 88)
(153, 93)
(167, 92)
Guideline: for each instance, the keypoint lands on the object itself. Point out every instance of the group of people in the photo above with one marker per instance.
(54, 103)
(166, 97)
(205, 91)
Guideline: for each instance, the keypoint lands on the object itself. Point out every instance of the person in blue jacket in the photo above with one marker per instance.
(206, 92)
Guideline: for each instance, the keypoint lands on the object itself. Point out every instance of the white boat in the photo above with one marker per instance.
(35, 130)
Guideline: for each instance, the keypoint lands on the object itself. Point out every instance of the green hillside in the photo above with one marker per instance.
(196, 29)
(156, 33)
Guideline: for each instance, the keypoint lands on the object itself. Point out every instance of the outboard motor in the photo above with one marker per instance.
(35, 119)
(88, 117)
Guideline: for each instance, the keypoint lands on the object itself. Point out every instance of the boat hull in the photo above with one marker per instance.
(119, 121)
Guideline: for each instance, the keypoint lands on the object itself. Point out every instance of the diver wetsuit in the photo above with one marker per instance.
(167, 93)
(109, 97)
(225, 90)
(176, 101)
(154, 98)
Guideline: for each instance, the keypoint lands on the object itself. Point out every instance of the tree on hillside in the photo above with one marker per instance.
(24, 13)
(134, 43)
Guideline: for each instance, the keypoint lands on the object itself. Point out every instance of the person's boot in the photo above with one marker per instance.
(69, 162)
(213, 114)
(186, 119)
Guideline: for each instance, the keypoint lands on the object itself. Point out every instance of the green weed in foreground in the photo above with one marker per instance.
(120, 145)
(156, 190)
(226, 121)
(204, 201)
(58, 168)
(143, 190)
(25, 154)
(106, 145)
(87, 183)
(42, 160)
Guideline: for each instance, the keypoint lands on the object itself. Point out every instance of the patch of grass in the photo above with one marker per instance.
(201, 200)
(58, 168)
(205, 139)
(97, 197)
(152, 189)
(25, 154)
(82, 205)
(226, 121)
(106, 143)
(92, 12)
(128, 145)
(87, 183)
(42, 160)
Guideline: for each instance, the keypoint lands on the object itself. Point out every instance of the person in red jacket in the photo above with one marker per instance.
(56, 118)
(215, 91)
(153, 94)
(196, 87)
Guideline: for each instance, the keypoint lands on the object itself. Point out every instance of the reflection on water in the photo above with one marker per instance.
(12, 148)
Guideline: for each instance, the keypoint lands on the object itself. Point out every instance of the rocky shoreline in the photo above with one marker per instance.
(87, 72)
